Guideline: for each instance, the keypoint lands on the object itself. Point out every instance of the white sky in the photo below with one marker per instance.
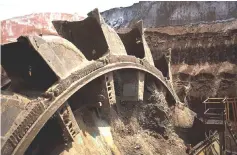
(14, 8)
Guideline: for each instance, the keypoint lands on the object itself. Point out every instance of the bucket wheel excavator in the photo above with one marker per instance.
(89, 90)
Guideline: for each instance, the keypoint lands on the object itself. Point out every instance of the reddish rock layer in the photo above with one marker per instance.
(40, 23)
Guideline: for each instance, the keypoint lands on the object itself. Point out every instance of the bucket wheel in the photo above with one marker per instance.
(88, 91)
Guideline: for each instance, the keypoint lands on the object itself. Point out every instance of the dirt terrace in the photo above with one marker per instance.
(203, 61)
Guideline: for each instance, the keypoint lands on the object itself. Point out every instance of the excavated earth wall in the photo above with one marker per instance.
(165, 13)
(203, 59)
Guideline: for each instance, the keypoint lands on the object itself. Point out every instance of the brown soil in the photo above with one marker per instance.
(145, 127)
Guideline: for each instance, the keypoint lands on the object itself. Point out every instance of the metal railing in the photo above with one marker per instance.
(200, 147)
(215, 114)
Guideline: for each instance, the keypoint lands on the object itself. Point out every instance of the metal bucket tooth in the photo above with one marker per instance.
(92, 36)
(58, 52)
(50, 56)
(135, 43)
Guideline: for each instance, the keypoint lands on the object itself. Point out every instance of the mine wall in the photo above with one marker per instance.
(203, 64)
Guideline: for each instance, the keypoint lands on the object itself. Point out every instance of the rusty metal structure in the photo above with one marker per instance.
(48, 76)
(80, 79)
(219, 118)
(220, 132)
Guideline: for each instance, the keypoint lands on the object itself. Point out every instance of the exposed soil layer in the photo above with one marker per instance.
(203, 59)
